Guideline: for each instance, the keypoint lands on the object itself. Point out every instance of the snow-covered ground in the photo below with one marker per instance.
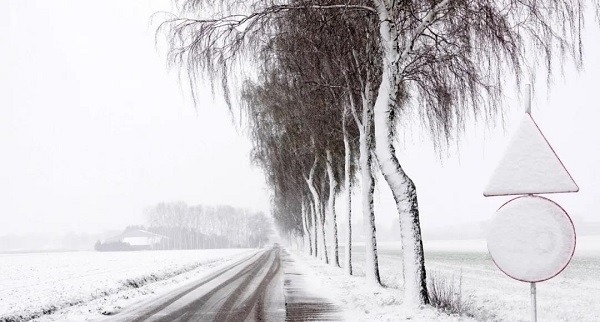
(359, 301)
(86, 285)
(574, 295)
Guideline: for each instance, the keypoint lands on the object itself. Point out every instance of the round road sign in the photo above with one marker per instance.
(531, 239)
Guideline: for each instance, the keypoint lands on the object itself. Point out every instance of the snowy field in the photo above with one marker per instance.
(574, 295)
(35, 284)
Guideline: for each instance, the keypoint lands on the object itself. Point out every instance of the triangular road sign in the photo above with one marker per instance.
(529, 166)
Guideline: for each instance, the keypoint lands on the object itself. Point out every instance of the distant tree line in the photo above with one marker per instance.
(198, 226)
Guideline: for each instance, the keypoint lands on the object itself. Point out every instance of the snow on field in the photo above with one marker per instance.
(574, 295)
(89, 284)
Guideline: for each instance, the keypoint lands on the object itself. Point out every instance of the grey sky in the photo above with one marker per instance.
(93, 128)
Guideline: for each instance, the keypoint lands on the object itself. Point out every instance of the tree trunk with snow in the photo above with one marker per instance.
(313, 212)
(402, 187)
(331, 210)
(321, 232)
(306, 229)
(317, 212)
(323, 223)
(366, 146)
(318, 209)
(348, 200)
(367, 190)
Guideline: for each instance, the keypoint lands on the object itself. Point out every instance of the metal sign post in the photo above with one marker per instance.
(532, 284)
(533, 303)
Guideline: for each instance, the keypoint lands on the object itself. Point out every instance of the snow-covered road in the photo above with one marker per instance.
(262, 287)
(245, 289)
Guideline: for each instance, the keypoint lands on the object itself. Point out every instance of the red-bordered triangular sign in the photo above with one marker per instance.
(529, 166)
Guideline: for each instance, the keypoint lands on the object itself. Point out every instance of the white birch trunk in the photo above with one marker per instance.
(367, 189)
(320, 222)
(402, 187)
(314, 229)
(321, 233)
(315, 206)
(322, 226)
(335, 260)
(365, 126)
(348, 199)
(306, 230)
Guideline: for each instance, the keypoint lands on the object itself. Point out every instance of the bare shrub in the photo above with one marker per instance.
(445, 293)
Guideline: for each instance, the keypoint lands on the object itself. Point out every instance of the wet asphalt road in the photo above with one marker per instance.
(263, 287)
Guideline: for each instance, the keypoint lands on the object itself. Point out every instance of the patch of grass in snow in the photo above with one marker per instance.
(27, 316)
(151, 278)
(445, 293)
(142, 280)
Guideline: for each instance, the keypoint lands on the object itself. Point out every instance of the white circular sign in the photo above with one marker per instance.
(532, 239)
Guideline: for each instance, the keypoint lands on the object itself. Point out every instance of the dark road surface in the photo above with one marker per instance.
(263, 287)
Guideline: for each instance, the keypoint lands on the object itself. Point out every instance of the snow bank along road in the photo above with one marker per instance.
(255, 288)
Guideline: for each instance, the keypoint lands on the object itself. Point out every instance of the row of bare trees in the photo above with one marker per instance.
(198, 227)
(325, 85)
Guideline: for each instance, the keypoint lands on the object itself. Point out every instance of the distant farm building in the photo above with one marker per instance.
(134, 239)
